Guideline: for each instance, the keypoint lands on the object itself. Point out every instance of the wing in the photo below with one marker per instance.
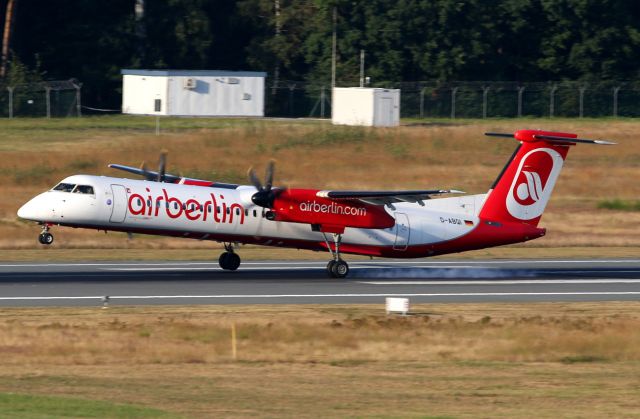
(385, 197)
(148, 174)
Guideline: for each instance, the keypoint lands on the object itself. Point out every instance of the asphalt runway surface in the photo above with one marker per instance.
(306, 282)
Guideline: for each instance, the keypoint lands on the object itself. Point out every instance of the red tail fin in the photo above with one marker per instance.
(521, 192)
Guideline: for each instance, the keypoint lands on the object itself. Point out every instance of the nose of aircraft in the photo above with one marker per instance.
(32, 210)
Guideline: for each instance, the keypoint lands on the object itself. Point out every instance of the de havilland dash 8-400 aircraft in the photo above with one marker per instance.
(394, 224)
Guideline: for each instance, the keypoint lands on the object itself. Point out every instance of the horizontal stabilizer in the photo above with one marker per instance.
(529, 135)
(573, 140)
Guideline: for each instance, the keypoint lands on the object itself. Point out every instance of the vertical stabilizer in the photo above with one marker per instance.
(521, 192)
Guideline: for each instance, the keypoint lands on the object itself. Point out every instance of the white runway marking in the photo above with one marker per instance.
(270, 296)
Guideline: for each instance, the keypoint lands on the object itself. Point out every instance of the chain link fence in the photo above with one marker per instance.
(296, 99)
(44, 99)
(473, 99)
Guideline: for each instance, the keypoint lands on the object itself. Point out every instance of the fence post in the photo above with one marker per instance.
(453, 102)
(10, 89)
(78, 104)
(48, 100)
(615, 101)
(322, 99)
(581, 90)
(485, 93)
(422, 102)
(291, 89)
(520, 92)
(552, 100)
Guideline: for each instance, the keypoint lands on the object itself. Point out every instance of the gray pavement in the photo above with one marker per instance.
(306, 282)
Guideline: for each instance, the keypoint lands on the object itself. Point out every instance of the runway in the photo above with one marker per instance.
(306, 282)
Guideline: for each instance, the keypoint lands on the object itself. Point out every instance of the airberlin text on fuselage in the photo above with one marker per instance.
(332, 208)
(191, 209)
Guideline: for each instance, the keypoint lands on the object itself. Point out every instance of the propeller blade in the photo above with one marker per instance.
(146, 173)
(254, 179)
(269, 175)
(265, 196)
(162, 165)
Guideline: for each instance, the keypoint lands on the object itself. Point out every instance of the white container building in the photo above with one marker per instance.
(193, 92)
(366, 106)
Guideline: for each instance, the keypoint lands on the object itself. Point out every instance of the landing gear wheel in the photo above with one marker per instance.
(229, 261)
(45, 238)
(330, 267)
(339, 269)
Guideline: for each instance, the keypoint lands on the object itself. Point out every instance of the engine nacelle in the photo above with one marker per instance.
(324, 214)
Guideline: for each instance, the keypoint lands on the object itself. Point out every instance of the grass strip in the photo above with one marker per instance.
(41, 407)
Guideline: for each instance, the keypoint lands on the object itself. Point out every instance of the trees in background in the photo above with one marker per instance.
(404, 40)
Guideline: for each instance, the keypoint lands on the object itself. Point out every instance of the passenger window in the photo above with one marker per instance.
(64, 187)
(255, 214)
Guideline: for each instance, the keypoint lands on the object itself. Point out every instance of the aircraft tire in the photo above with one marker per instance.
(340, 269)
(330, 267)
(229, 261)
(45, 238)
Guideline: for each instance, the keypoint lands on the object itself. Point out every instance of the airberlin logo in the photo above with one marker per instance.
(213, 208)
(332, 208)
(533, 183)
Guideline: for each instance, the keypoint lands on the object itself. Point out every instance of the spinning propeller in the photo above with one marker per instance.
(160, 175)
(266, 195)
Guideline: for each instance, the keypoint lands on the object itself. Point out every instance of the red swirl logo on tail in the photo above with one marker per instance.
(529, 190)
(533, 183)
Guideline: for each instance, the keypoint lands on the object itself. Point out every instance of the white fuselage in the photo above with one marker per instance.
(228, 215)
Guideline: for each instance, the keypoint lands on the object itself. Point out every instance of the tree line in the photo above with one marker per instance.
(403, 40)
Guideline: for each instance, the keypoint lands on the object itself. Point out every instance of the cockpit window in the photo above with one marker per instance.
(84, 189)
(64, 187)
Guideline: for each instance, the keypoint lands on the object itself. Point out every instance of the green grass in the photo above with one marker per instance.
(619, 205)
(129, 122)
(331, 136)
(41, 407)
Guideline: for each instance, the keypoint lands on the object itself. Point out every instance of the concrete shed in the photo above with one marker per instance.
(193, 92)
(366, 106)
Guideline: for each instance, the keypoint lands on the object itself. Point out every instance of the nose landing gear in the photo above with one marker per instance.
(229, 261)
(45, 237)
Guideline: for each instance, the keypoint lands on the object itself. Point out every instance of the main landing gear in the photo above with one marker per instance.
(45, 237)
(229, 261)
(336, 268)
